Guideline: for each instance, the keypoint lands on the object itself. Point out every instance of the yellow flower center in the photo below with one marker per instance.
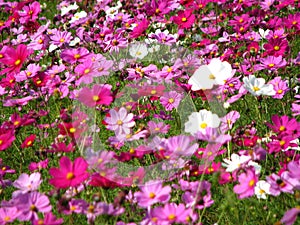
(70, 176)
(86, 71)
(6, 219)
(279, 91)
(131, 151)
(255, 88)
(276, 48)
(152, 195)
(119, 122)
(171, 100)
(282, 128)
(271, 65)
(17, 62)
(153, 92)
(203, 125)
(72, 130)
(212, 77)
(62, 40)
(76, 56)
(171, 216)
(282, 142)
(251, 183)
(95, 98)
(183, 19)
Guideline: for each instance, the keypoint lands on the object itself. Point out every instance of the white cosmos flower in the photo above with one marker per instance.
(236, 162)
(198, 121)
(78, 16)
(257, 86)
(215, 73)
(65, 10)
(138, 50)
(262, 189)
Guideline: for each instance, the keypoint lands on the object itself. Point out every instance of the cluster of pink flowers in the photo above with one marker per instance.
(146, 70)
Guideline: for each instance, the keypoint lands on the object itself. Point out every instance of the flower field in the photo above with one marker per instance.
(151, 112)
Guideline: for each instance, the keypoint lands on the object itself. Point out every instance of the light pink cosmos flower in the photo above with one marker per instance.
(59, 38)
(171, 100)
(173, 213)
(119, 121)
(153, 192)
(8, 214)
(247, 184)
(30, 204)
(26, 183)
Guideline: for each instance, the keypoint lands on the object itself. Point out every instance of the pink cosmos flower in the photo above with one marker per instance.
(13, 58)
(280, 87)
(119, 121)
(180, 145)
(172, 213)
(185, 19)
(31, 71)
(271, 63)
(140, 28)
(75, 55)
(49, 219)
(38, 166)
(30, 204)
(6, 139)
(158, 127)
(279, 183)
(26, 183)
(30, 12)
(171, 100)
(276, 47)
(59, 38)
(152, 192)
(290, 216)
(8, 214)
(247, 184)
(98, 95)
(28, 142)
(69, 174)
(283, 124)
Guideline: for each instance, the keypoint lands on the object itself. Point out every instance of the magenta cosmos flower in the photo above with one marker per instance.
(185, 19)
(30, 12)
(69, 174)
(247, 183)
(13, 58)
(119, 121)
(153, 192)
(98, 95)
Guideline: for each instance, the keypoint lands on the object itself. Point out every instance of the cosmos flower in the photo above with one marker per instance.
(185, 19)
(257, 86)
(119, 121)
(199, 121)
(215, 73)
(13, 58)
(152, 192)
(98, 95)
(69, 174)
(247, 182)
